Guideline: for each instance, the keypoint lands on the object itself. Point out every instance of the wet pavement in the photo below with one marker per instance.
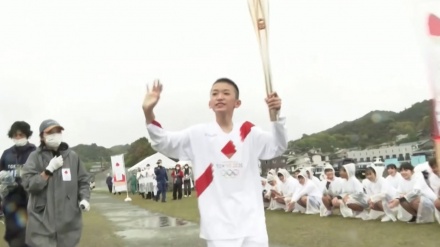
(138, 227)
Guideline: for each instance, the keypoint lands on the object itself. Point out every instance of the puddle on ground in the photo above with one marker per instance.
(130, 213)
(151, 222)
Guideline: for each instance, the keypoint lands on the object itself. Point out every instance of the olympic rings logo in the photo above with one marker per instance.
(230, 173)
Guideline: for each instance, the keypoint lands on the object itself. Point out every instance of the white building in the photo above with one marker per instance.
(401, 152)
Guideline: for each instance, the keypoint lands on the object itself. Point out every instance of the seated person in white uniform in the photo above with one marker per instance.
(274, 191)
(331, 186)
(394, 176)
(380, 193)
(352, 201)
(414, 196)
(308, 196)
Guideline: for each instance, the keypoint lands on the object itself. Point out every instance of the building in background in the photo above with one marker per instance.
(402, 152)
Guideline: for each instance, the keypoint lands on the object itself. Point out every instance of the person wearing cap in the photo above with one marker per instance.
(58, 185)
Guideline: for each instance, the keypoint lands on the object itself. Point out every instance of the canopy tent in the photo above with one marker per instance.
(152, 160)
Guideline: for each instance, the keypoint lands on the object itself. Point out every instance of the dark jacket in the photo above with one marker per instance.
(14, 207)
(161, 174)
(14, 158)
(109, 181)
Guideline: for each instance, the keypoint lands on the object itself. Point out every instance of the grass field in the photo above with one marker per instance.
(311, 230)
(97, 232)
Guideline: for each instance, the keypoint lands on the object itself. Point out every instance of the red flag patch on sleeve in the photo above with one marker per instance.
(434, 25)
(245, 129)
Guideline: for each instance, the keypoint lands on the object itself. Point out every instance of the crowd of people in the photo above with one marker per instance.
(152, 183)
(410, 194)
(43, 190)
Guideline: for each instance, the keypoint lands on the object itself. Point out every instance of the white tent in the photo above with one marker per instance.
(152, 160)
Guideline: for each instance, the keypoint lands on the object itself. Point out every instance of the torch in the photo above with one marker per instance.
(259, 10)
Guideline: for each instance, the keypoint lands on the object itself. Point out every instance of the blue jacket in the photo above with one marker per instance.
(161, 174)
(14, 205)
(14, 158)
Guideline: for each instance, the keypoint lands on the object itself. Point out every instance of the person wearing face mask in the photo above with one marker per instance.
(162, 181)
(13, 159)
(187, 180)
(58, 187)
(177, 175)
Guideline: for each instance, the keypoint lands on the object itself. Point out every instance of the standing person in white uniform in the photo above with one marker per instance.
(149, 178)
(225, 155)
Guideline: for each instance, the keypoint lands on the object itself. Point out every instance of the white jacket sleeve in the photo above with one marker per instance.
(172, 144)
(270, 144)
(305, 190)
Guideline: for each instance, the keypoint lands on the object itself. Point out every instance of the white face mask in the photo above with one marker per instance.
(53, 140)
(20, 142)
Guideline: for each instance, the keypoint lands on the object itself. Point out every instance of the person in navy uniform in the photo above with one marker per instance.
(13, 159)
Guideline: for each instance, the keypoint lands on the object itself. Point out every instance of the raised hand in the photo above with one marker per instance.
(152, 96)
(273, 101)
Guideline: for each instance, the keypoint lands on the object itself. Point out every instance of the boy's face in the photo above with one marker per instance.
(223, 98)
(281, 177)
(391, 171)
(18, 135)
(343, 173)
(406, 174)
(370, 176)
(330, 174)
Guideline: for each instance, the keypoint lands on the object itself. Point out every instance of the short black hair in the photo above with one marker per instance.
(230, 82)
(392, 166)
(432, 162)
(21, 126)
(406, 166)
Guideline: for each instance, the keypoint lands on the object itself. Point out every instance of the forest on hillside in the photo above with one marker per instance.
(372, 129)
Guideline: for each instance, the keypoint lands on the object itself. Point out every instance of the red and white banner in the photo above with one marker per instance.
(118, 171)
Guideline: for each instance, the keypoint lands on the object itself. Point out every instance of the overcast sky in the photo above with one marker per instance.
(86, 63)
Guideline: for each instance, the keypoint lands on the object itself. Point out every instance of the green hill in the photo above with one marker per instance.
(133, 152)
(92, 153)
(374, 128)
(120, 149)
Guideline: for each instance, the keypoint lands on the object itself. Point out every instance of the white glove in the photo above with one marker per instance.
(55, 163)
(84, 205)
